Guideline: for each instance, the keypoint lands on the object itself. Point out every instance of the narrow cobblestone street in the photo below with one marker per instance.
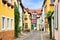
(36, 35)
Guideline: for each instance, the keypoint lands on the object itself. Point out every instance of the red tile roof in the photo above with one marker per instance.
(38, 11)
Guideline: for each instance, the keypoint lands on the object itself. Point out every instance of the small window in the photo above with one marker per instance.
(26, 25)
(8, 23)
(9, 3)
(51, 1)
(4, 1)
(34, 16)
(11, 23)
(23, 24)
(3, 22)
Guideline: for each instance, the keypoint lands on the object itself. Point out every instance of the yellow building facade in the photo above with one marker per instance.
(6, 19)
(27, 21)
(48, 6)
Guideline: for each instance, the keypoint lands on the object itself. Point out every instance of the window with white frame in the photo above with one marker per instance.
(3, 23)
(8, 23)
(11, 23)
(34, 21)
(26, 25)
(33, 16)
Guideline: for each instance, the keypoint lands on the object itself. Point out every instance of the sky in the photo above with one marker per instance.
(32, 4)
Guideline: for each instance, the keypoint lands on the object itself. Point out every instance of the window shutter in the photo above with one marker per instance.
(56, 17)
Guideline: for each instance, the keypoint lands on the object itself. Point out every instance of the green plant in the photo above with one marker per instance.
(19, 29)
(48, 16)
(17, 20)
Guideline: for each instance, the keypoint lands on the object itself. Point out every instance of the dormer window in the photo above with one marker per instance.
(9, 3)
(12, 6)
(26, 25)
(4, 1)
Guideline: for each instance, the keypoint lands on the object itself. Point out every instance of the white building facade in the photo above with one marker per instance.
(21, 13)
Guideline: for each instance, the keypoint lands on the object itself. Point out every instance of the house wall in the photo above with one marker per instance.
(56, 20)
(38, 23)
(56, 34)
(7, 12)
(59, 20)
(27, 21)
(47, 7)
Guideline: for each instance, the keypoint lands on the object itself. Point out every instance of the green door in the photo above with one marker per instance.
(32, 27)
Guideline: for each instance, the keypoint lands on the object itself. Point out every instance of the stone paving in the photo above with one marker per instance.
(46, 36)
(35, 35)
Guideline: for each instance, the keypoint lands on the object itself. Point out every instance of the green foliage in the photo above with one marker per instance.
(17, 20)
(48, 15)
(19, 29)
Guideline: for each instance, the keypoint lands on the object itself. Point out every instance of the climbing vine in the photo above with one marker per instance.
(48, 16)
(17, 20)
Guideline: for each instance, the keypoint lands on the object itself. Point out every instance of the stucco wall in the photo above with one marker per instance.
(7, 12)
(56, 34)
(59, 21)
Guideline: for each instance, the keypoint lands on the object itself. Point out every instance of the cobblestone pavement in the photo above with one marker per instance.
(36, 35)
(46, 36)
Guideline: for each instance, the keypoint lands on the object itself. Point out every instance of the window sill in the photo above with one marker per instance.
(3, 29)
(9, 28)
